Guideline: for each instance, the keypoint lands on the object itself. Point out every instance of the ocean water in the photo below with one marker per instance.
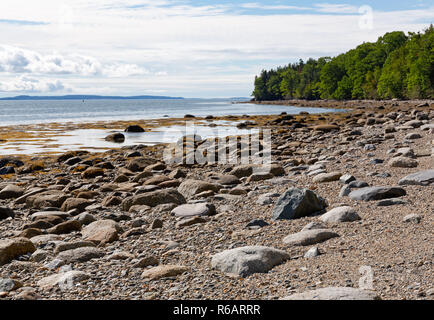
(31, 112)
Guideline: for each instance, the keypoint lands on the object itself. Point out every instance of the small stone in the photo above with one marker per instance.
(312, 252)
(309, 237)
(415, 218)
(164, 271)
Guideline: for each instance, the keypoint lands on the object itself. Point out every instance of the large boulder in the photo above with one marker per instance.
(421, 178)
(52, 198)
(11, 191)
(190, 187)
(296, 203)
(6, 212)
(245, 261)
(75, 203)
(154, 198)
(13, 248)
(134, 128)
(377, 193)
(115, 137)
(334, 293)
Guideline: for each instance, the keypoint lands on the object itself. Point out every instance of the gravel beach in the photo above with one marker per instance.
(123, 224)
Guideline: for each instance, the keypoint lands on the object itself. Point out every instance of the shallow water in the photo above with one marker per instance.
(93, 139)
(31, 112)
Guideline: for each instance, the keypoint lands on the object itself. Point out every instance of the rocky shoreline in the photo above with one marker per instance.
(344, 212)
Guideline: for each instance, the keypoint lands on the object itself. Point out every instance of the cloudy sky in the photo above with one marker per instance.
(180, 47)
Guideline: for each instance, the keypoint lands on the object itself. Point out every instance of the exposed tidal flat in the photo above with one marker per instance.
(345, 211)
(52, 127)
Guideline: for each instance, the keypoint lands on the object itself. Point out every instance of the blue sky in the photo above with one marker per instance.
(179, 47)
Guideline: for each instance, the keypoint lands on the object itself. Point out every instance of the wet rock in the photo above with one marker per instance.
(297, 203)
(6, 212)
(309, 237)
(256, 224)
(115, 137)
(134, 128)
(245, 261)
(156, 224)
(377, 193)
(334, 293)
(13, 248)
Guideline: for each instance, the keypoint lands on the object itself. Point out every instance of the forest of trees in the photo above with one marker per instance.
(396, 66)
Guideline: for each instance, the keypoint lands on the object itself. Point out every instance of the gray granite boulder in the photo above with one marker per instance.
(296, 203)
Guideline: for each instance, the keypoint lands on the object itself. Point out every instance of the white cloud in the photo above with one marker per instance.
(255, 5)
(336, 8)
(18, 60)
(29, 84)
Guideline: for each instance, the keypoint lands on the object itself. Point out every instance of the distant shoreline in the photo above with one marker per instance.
(89, 97)
(345, 104)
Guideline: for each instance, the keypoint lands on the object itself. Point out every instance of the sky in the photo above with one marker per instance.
(201, 48)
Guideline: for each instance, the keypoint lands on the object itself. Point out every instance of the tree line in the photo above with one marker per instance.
(396, 66)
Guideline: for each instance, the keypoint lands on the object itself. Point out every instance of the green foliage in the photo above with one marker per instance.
(396, 66)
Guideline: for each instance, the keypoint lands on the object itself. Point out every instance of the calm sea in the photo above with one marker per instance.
(28, 112)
